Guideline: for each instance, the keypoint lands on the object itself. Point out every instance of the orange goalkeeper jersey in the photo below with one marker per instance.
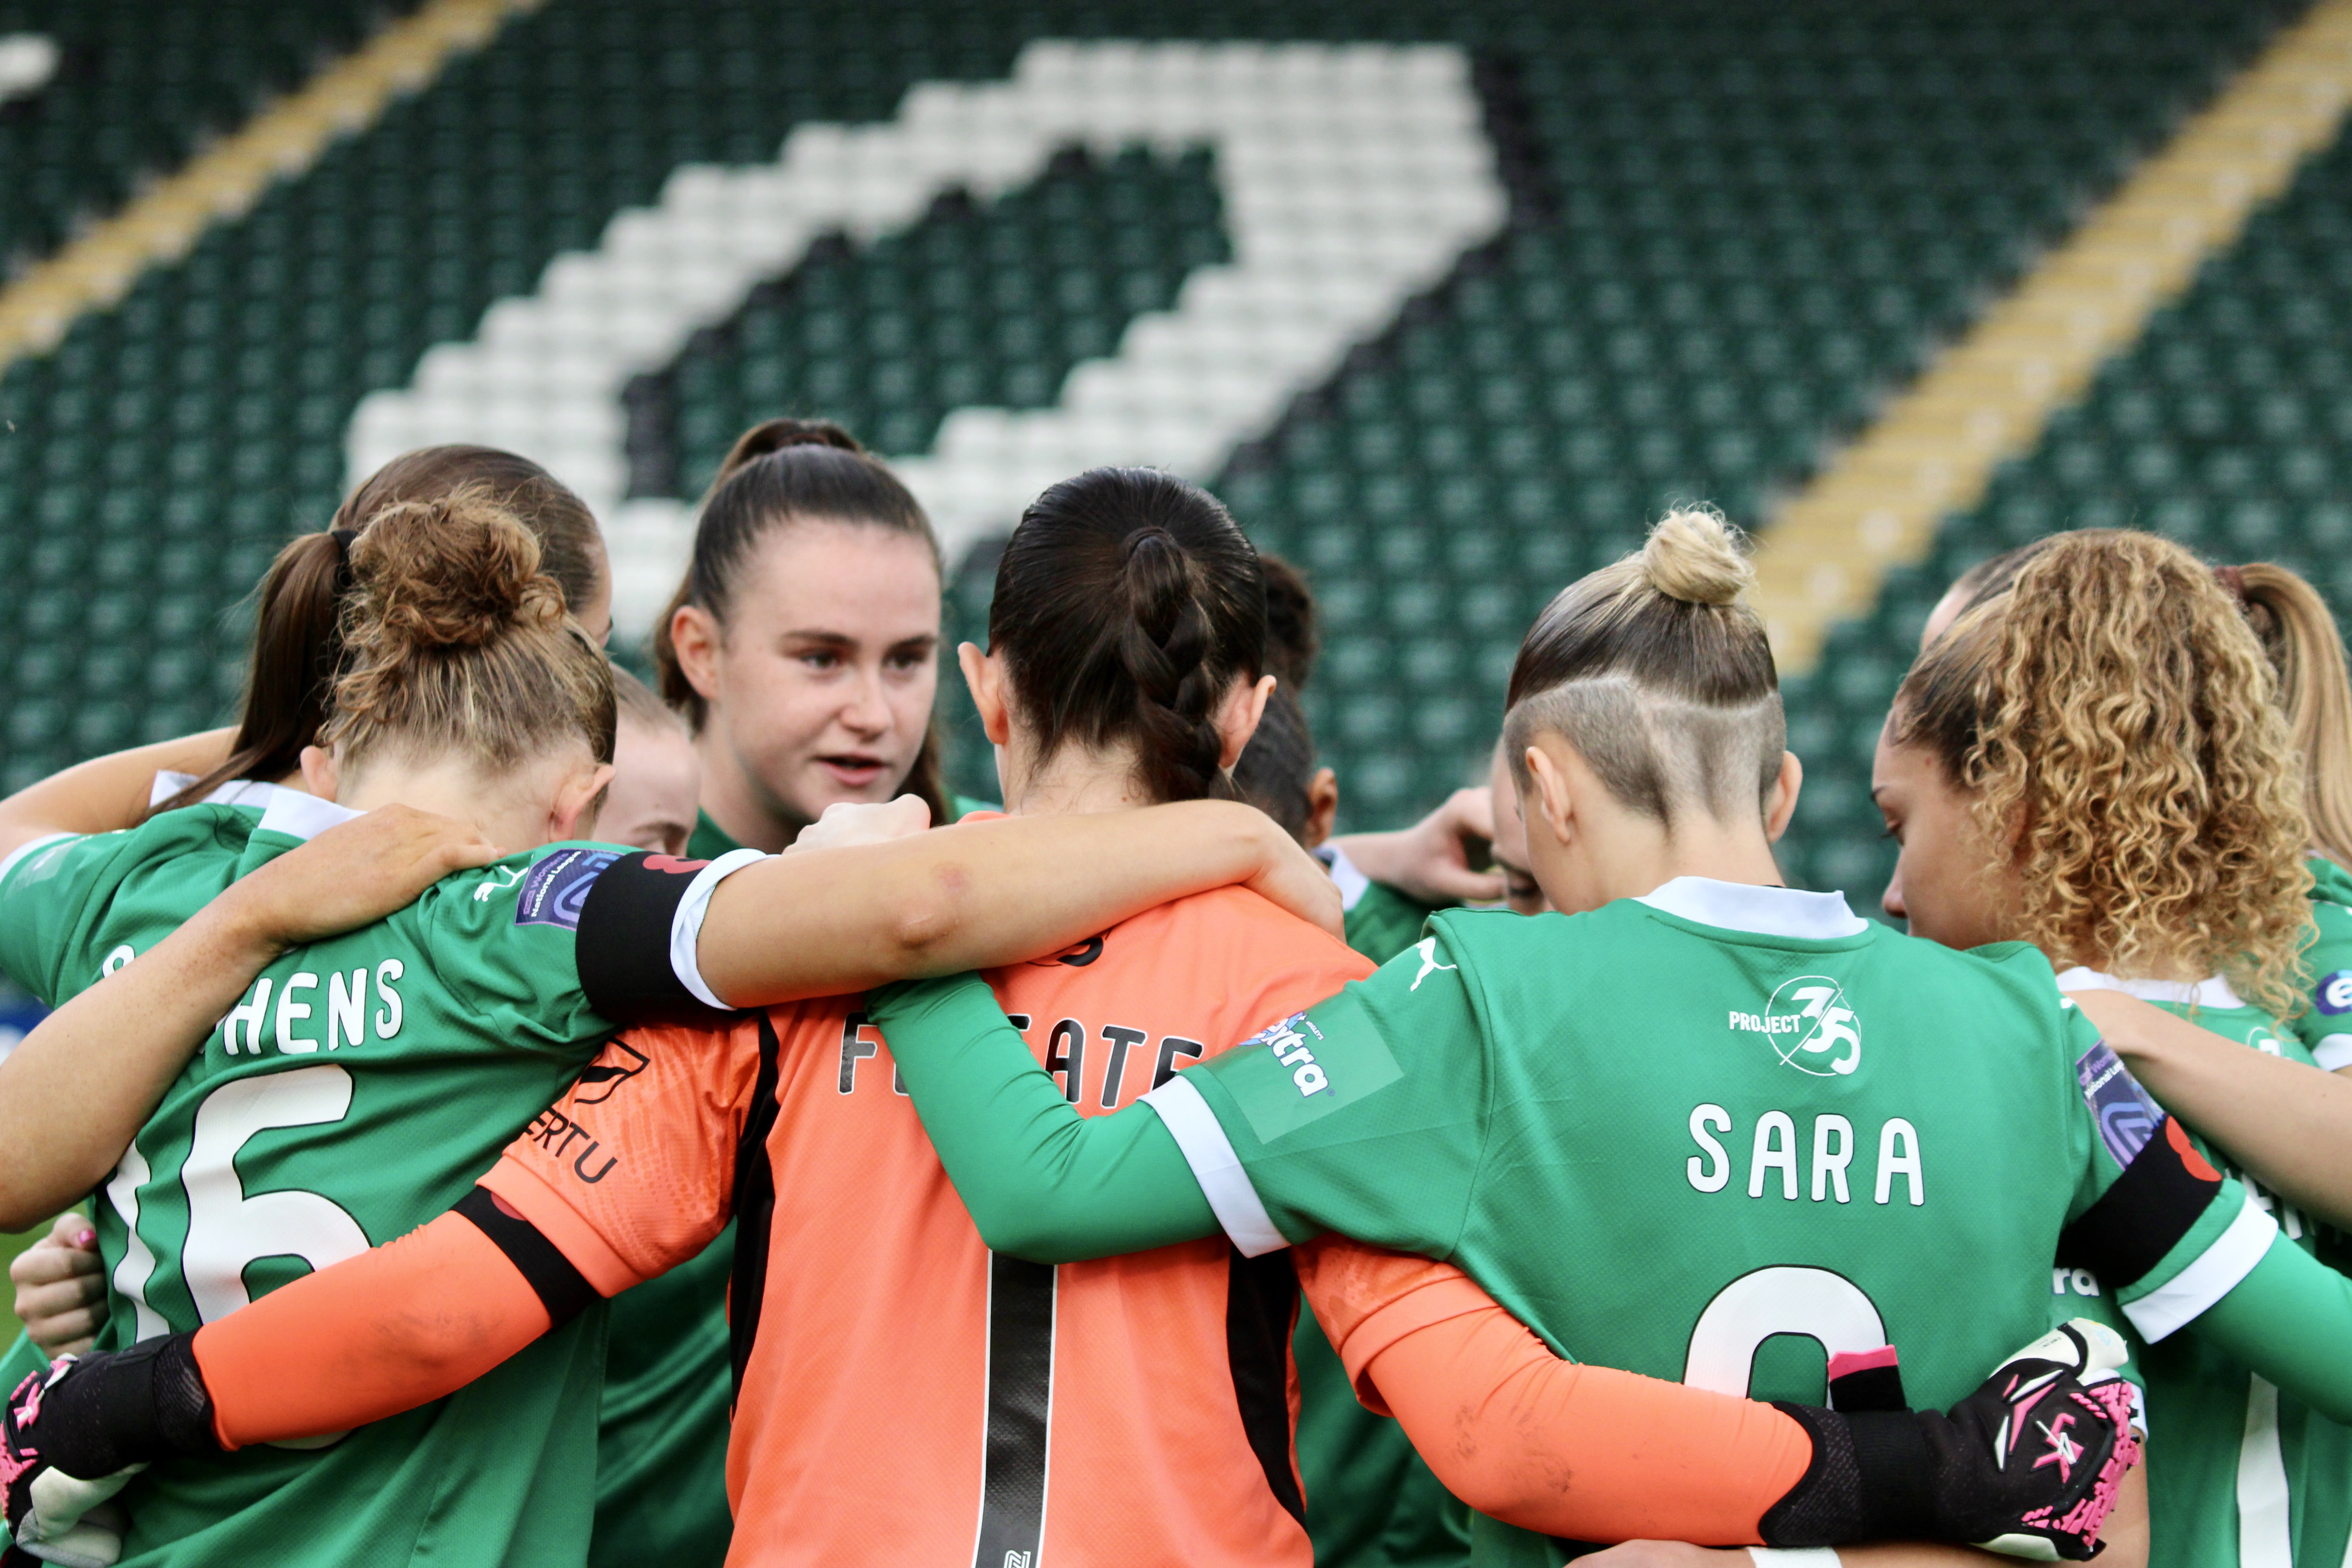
(905, 1396)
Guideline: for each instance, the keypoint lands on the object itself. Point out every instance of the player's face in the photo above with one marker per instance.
(822, 684)
(1519, 887)
(1940, 886)
(656, 782)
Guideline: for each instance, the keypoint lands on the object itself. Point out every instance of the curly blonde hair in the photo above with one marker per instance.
(2114, 717)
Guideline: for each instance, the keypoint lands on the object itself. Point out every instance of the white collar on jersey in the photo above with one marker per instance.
(299, 816)
(2212, 993)
(290, 812)
(1767, 911)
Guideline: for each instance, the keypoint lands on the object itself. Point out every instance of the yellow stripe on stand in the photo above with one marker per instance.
(1987, 398)
(222, 182)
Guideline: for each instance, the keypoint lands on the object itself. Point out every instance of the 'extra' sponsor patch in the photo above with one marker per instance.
(2333, 994)
(1310, 1066)
(1289, 1042)
(556, 888)
(2127, 1118)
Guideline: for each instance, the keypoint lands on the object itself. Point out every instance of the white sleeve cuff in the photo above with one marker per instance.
(1794, 1556)
(686, 922)
(1216, 1167)
(2333, 1052)
(2214, 1274)
(1345, 874)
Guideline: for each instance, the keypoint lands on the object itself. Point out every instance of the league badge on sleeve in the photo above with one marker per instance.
(556, 888)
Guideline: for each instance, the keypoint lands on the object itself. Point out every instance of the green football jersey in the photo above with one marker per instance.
(2237, 1472)
(356, 1091)
(1722, 1134)
(1371, 1502)
(2325, 1025)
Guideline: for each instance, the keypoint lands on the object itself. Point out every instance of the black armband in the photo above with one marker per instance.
(2157, 1200)
(130, 1408)
(623, 944)
(561, 1288)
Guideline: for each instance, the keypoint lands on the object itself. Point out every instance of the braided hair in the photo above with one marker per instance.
(1127, 604)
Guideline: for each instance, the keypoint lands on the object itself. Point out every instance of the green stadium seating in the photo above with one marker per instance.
(140, 85)
(2225, 427)
(1736, 225)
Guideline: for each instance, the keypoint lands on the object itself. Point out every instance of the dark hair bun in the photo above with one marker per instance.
(775, 434)
(457, 572)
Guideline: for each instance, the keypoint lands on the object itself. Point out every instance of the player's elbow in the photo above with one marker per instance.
(1035, 1232)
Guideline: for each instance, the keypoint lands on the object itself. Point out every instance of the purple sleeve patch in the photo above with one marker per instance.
(2333, 994)
(551, 894)
(2127, 1118)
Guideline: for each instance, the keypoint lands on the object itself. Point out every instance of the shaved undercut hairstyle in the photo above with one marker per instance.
(1658, 678)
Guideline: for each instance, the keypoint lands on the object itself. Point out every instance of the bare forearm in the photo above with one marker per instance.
(75, 1092)
(823, 921)
(105, 793)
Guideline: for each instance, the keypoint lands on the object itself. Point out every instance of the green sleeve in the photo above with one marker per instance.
(2325, 1025)
(1366, 1115)
(1383, 922)
(2290, 1319)
(44, 896)
(1042, 1182)
(505, 938)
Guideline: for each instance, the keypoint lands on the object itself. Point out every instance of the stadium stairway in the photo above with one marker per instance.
(1732, 229)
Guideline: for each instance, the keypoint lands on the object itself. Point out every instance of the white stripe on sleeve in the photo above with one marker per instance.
(1216, 1167)
(686, 922)
(2214, 1274)
(18, 854)
(2333, 1052)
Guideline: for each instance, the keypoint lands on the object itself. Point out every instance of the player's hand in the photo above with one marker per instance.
(72, 1435)
(53, 1516)
(353, 874)
(61, 1288)
(1430, 861)
(846, 823)
(2032, 1462)
(1290, 876)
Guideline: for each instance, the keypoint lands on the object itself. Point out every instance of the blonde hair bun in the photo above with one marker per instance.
(1695, 557)
(460, 571)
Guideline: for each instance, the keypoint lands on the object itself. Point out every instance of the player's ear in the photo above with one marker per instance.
(1548, 793)
(694, 634)
(985, 676)
(574, 815)
(1781, 800)
(318, 772)
(1237, 719)
(1322, 807)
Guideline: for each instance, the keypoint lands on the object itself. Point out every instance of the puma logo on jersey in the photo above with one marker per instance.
(1427, 948)
(512, 874)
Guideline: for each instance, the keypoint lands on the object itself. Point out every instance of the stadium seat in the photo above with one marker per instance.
(1734, 227)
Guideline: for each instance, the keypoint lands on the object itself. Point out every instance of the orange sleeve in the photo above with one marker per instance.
(632, 1172)
(371, 1337)
(1589, 1453)
(629, 1174)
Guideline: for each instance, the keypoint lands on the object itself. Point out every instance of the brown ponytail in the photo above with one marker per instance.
(1127, 602)
(2306, 652)
(458, 641)
(296, 630)
(781, 472)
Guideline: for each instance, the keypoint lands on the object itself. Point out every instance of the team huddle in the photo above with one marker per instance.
(527, 1117)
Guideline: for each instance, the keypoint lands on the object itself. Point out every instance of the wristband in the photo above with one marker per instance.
(1794, 1557)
